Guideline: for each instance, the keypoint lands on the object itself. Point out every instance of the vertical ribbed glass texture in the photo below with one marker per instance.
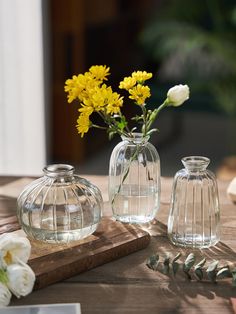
(134, 180)
(194, 219)
(60, 206)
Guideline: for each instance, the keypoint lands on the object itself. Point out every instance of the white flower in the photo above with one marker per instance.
(177, 95)
(21, 279)
(5, 295)
(14, 248)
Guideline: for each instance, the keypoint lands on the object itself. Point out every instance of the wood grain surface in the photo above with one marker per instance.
(112, 240)
(126, 285)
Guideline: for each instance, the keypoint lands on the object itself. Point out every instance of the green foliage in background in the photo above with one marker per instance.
(195, 41)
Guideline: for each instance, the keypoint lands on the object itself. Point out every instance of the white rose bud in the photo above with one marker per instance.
(13, 249)
(177, 95)
(5, 295)
(21, 279)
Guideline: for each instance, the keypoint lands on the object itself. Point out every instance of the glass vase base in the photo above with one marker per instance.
(194, 241)
(134, 219)
(58, 237)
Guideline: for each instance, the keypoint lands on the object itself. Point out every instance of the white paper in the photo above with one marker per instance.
(68, 308)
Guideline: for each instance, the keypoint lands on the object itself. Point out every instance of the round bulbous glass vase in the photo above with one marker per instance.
(134, 180)
(194, 219)
(59, 207)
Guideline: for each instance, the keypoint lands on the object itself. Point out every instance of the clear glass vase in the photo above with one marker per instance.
(194, 219)
(59, 207)
(134, 180)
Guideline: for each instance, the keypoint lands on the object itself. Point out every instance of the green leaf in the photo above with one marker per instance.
(122, 123)
(3, 276)
(175, 267)
(233, 277)
(201, 263)
(198, 269)
(189, 262)
(198, 272)
(223, 273)
(166, 265)
(153, 262)
(213, 266)
(152, 131)
(212, 270)
(176, 257)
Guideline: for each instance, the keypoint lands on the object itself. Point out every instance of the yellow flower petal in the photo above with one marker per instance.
(99, 72)
(140, 93)
(141, 76)
(127, 83)
(83, 124)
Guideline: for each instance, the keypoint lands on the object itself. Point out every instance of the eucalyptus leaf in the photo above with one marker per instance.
(176, 257)
(201, 263)
(198, 272)
(189, 262)
(175, 267)
(212, 271)
(153, 262)
(166, 265)
(213, 266)
(223, 273)
(175, 264)
(233, 277)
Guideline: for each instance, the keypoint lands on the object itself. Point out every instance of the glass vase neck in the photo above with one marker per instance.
(136, 138)
(59, 170)
(195, 163)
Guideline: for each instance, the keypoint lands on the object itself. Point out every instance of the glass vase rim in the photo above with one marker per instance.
(195, 162)
(58, 170)
(138, 137)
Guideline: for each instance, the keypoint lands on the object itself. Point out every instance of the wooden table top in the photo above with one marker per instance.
(127, 285)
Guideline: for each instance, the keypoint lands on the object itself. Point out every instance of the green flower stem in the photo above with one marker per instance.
(99, 127)
(155, 113)
(136, 152)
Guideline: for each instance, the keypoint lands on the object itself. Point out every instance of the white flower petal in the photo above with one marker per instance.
(178, 94)
(21, 279)
(14, 248)
(5, 295)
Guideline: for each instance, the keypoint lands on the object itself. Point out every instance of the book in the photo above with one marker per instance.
(62, 308)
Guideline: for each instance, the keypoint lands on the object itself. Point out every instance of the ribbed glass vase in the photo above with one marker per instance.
(59, 207)
(194, 219)
(134, 180)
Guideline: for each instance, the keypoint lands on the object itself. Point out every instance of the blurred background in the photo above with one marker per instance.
(44, 42)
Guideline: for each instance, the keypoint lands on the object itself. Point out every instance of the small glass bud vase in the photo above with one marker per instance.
(59, 207)
(134, 180)
(194, 219)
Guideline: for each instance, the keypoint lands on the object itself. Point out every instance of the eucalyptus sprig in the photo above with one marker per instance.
(212, 272)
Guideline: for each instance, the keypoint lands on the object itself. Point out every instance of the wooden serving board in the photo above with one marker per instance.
(52, 263)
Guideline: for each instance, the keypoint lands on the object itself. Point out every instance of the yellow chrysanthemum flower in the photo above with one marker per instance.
(99, 97)
(140, 93)
(71, 87)
(103, 98)
(99, 72)
(115, 102)
(127, 83)
(86, 108)
(141, 76)
(83, 124)
(77, 86)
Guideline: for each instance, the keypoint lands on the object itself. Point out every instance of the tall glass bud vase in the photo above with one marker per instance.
(134, 180)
